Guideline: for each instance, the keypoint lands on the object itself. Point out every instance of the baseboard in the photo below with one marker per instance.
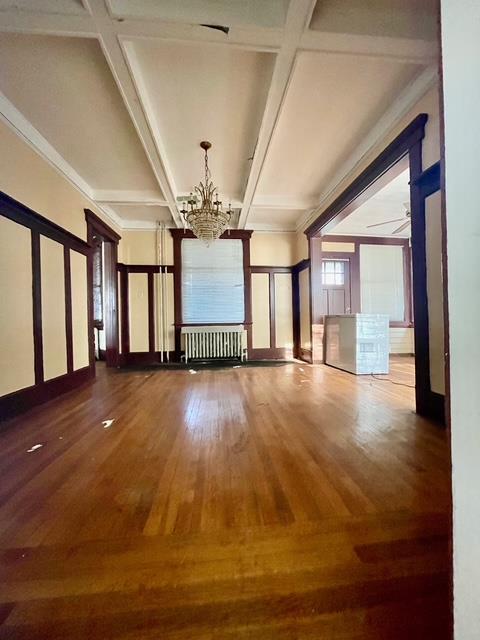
(141, 358)
(20, 401)
(270, 354)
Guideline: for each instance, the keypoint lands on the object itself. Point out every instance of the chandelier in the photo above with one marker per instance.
(208, 220)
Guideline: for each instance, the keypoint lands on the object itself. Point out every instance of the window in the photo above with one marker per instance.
(333, 272)
(381, 280)
(212, 282)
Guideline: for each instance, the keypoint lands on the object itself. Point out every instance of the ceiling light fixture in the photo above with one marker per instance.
(207, 221)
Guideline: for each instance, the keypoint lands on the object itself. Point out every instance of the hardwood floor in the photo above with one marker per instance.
(286, 502)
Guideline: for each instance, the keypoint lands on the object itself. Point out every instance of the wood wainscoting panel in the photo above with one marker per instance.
(283, 312)
(264, 503)
(53, 308)
(80, 334)
(17, 368)
(138, 310)
(261, 311)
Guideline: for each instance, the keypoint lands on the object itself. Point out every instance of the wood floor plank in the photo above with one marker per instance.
(279, 502)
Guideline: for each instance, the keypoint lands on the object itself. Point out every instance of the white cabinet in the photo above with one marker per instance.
(358, 343)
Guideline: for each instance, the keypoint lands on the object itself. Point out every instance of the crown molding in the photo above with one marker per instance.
(19, 124)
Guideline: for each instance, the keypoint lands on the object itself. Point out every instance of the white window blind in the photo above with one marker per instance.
(381, 280)
(212, 282)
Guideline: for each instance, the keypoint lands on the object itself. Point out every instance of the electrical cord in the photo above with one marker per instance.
(400, 384)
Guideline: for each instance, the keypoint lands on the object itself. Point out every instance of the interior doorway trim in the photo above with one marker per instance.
(97, 227)
(404, 151)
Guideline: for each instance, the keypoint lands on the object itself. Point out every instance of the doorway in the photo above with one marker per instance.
(103, 294)
(404, 153)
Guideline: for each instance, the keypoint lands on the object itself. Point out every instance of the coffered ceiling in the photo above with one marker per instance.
(118, 94)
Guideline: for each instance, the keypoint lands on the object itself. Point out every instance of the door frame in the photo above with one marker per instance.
(404, 151)
(96, 227)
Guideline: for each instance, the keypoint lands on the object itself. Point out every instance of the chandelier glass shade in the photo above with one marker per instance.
(207, 220)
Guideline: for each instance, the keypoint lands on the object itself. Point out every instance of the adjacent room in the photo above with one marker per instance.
(225, 382)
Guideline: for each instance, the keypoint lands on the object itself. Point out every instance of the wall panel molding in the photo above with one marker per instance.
(42, 391)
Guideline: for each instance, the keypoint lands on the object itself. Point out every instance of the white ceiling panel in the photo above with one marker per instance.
(194, 93)
(65, 89)
(398, 18)
(332, 103)
(65, 7)
(390, 203)
(142, 213)
(275, 218)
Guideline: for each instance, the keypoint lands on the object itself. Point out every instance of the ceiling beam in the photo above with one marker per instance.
(244, 37)
(118, 66)
(298, 18)
(403, 104)
(405, 50)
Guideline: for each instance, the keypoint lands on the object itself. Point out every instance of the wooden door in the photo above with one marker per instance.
(335, 278)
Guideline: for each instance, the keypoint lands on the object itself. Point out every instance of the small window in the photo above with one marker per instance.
(333, 272)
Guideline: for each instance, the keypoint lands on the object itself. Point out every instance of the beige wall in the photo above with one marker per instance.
(461, 73)
(301, 247)
(139, 246)
(433, 224)
(260, 311)
(283, 312)
(164, 304)
(138, 310)
(53, 309)
(16, 312)
(78, 269)
(345, 247)
(27, 177)
(272, 249)
(31, 180)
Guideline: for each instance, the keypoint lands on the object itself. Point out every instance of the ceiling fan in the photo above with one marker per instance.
(405, 221)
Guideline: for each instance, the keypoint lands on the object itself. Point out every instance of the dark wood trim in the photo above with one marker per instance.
(42, 390)
(234, 234)
(296, 320)
(68, 308)
(25, 399)
(91, 328)
(407, 144)
(18, 212)
(247, 289)
(37, 307)
(265, 269)
(355, 277)
(300, 266)
(111, 304)
(151, 314)
(97, 227)
(271, 307)
(145, 268)
(357, 240)
(272, 353)
(101, 227)
(410, 137)
(429, 403)
(296, 314)
(124, 312)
